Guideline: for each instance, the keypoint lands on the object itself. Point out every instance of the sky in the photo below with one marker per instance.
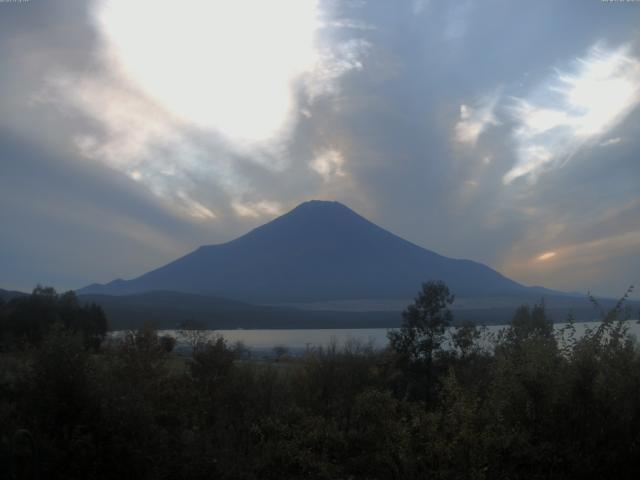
(504, 132)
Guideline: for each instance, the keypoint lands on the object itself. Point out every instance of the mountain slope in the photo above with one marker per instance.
(318, 251)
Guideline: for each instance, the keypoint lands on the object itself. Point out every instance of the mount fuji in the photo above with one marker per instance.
(319, 251)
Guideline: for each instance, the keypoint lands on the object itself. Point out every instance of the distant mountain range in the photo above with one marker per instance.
(168, 310)
(319, 251)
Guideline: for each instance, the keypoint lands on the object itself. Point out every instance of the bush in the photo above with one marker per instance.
(531, 406)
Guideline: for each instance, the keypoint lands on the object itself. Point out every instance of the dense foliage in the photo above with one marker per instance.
(440, 403)
(28, 319)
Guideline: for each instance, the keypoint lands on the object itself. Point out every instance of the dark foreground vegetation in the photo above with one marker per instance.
(435, 404)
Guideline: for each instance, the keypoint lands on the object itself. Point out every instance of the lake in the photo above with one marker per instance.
(297, 341)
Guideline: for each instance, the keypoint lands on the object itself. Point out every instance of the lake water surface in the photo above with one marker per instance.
(297, 341)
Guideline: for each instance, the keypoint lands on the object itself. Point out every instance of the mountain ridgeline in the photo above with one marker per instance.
(319, 251)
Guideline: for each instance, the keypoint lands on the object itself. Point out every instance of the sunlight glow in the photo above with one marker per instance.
(605, 89)
(546, 256)
(574, 111)
(223, 65)
(184, 93)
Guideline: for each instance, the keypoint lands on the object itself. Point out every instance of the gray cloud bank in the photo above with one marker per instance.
(499, 131)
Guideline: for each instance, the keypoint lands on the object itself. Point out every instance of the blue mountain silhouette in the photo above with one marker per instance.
(318, 251)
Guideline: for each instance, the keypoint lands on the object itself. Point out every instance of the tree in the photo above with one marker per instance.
(3, 323)
(422, 333)
(465, 338)
(167, 343)
(211, 362)
(532, 322)
(31, 317)
(425, 324)
(280, 351)
(194, 333)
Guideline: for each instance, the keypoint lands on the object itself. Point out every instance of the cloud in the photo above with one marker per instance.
(194, 208)
(562, 247)
(226, 66)
(328, 164)
(610, 141)
(357, 108)
(349, 24)
(457, 21)
(138, 138)
(419, 6)
(586, 253)
(333, 63)
(546, 256)
(475, 120)
(181, 112)
(257, 209)
(602, 90)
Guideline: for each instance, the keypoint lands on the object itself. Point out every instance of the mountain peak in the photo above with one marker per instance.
(312, 222)
(321, 204)
(326, 207)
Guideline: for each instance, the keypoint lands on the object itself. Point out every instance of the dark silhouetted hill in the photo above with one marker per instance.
(168, 310)
(319, 251)
(7, 295)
